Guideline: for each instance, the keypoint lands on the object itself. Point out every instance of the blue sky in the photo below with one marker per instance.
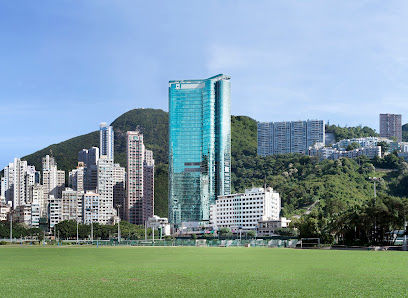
(66, 66)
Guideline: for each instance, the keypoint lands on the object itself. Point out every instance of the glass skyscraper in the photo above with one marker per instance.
(199, 146)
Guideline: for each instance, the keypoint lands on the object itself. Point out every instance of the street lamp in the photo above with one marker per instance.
(91, 223)
(118, 206)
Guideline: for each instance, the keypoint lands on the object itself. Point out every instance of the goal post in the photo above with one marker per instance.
(201, 242)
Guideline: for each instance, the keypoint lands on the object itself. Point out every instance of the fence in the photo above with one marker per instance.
(207, 243)
(177, 242)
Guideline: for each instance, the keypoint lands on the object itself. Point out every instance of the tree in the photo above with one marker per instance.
(224, 232)
(384, 147)
(352, 146)
(66, 228)
(251, 234)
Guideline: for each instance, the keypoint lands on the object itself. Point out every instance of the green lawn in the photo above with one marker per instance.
(194, 272)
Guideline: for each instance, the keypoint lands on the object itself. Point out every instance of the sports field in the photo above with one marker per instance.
(195, 272)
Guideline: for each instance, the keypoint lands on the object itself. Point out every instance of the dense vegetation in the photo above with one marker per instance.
(154, 126)
(19, 230)
(405, 132)
(350, 132)
(67, 229)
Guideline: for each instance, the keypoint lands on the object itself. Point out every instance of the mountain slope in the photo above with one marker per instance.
(301, 180)
(154, 125)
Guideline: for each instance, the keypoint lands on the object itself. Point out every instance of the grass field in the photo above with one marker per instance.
(193, 272)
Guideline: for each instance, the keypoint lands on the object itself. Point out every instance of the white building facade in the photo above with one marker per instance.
(105, 190)
(244, 210)
(90, 205)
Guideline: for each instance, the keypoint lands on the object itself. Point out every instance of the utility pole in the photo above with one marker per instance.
(119, 222)
(375, 179)
(91, 224)
(145, 230)
(77, 222)
(11, 226)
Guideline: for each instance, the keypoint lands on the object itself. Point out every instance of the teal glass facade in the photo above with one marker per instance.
(199, 146)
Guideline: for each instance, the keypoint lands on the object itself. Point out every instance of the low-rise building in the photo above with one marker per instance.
(244, 210)
(156, 222)
(22, 214)
(322, 152)
(267, 226)
(4, 211)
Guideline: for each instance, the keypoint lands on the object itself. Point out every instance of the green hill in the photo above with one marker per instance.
(154, 125)
(301, 180)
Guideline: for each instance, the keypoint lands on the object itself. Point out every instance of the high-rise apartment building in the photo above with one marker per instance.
(67, 207)
(48, 163)
(140, 180)
(148, 185)
(91, 178)
(134, 187)
(35, 214)
(77, 177)
(289, 137)
(119, 186)
(53, 185)
(89, 157)
(53, 179)
(315, 132)
(54, 205)
(91, 203)
(199, 146)
(105, 190)
(16, 184)
(106, 141)
(38, 196)
(87, 170)
(2, 191)
(71, 205)
(30, 181)
(391, 126)
(265, 137)
(19, 180)
(281, 137)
